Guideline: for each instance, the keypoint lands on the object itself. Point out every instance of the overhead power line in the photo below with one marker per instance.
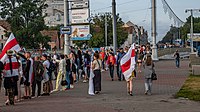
(111, 6)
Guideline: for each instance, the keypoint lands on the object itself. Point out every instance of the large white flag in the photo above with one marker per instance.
(91, 85)
(128, 62)
(11, 44)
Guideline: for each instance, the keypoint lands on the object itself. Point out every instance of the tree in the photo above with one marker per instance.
(26, 19)
(185, 29)
(171, 35)
(98, 32)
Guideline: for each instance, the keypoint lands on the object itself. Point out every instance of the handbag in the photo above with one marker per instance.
(153, 76)
(64, 83)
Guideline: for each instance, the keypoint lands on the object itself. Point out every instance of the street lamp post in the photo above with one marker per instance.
(114, 25)
(154, 48)
(66, 23)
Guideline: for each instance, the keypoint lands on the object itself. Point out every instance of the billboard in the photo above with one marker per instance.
(80, 32)
(196, 36)
(80, 16)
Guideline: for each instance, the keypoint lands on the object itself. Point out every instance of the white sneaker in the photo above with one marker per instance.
(72, 86)
(84, 81)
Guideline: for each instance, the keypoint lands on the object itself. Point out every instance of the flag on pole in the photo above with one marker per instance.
(128, 62)
(11, 44)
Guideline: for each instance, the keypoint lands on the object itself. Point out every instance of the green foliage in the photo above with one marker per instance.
(171, 35)
(98, 32)
(191, 88)
(26, 19)
(185, 29)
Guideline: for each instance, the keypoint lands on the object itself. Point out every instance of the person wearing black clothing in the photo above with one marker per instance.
(119, 57)
(177, 58)
(28, 70)
(79, 62)
(38, 72)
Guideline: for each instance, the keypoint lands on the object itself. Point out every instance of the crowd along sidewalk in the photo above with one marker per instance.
(114, 98)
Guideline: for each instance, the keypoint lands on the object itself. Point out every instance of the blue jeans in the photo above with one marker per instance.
(177, 63)
(68, 79)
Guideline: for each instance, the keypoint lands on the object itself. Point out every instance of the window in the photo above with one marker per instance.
(58, 17)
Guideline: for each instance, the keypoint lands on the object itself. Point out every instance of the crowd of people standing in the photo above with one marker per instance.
(23, 69)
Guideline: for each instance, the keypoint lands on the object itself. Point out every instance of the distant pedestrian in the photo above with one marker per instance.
(177, 59)
(28, 73)
(96, 67)
(46, 85)
(61, 72)
(87, 62)
(119, 57)
(68, 72)
(130, 83)
(139, 60)
(111, 63)
(38, 72)
(148, 70)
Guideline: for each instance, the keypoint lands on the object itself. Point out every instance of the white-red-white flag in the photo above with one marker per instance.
(11, 44)
(128, 62)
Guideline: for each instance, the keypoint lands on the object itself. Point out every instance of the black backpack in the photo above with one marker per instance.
(39, 69)
(52, 67)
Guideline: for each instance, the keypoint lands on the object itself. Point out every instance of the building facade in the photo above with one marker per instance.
(54, 12)
(136, 34)
(4, 28)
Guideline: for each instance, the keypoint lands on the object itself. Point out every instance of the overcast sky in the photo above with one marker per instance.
(137, 11)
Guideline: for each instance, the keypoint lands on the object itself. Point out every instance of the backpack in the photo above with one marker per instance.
(39, 70)
(52, 67)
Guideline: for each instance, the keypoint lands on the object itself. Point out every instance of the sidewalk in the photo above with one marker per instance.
(114, 98)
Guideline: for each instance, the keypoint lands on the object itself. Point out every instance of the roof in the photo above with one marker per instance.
(5, 25)
(51, 33)
(129, 24)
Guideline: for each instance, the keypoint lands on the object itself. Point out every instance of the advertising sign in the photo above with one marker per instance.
(81, 32)
(80, 4)
(195, 35)
(80, 16)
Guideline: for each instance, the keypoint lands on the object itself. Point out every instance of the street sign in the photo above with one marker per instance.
(80, 4)
(80, 16)
(81, 32)
(66, 30)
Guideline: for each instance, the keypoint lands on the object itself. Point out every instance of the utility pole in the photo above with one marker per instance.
(114, 25)
(191, 29)
(154, 33)
(66, 23)
(106, 30)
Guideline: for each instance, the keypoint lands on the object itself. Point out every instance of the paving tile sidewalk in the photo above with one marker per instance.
(114, 98)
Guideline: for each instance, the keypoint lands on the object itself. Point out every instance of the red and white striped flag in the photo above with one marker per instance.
(11, 44)
(128, 62)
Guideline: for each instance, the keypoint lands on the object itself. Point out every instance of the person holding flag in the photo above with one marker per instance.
(128, 68)
(11, 68)
(11, 74)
